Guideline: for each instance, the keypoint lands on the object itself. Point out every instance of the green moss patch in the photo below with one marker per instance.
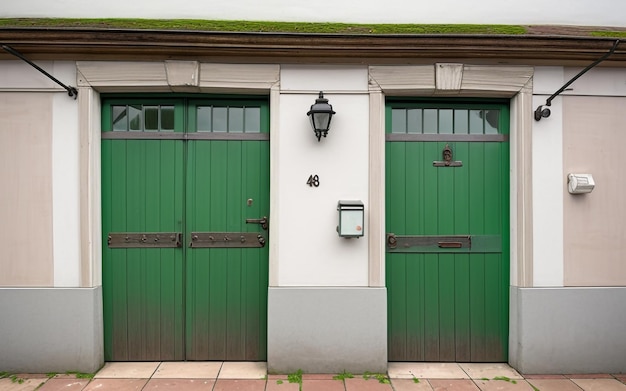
(269, 27)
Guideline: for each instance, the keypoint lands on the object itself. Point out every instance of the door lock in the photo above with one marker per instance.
(262, 221)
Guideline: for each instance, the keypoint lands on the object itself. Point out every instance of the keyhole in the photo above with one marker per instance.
(250, 201)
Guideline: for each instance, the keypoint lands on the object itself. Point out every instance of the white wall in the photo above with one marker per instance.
(547, 181)
(311, 253)
(581, 12)
(65, 181)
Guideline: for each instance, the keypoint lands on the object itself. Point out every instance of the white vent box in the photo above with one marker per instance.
(580, 183)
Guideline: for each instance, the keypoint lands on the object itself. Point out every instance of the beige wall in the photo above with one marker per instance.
(26, 190)
(594, 139)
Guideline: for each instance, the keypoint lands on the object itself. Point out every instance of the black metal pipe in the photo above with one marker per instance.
(71, 91)
(545, 112)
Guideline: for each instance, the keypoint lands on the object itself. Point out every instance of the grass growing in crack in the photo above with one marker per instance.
(415, 380)
(14, 378)
(343, 376)
(81, 375)
(504, 378)
(296, 377)
(382, 378)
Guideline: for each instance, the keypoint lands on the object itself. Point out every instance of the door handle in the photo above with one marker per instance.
(262, 221)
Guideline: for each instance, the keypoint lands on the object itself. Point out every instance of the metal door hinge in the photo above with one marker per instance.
(226, 240)
(144, 239)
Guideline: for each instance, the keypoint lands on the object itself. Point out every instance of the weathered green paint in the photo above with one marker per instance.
(448, 306)
(184, 303)
(227, 288)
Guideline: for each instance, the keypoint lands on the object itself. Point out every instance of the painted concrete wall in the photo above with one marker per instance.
(39, 215)
(51, 330)
(594, 223)
(583, 12)
(310, 251)
(577, 240)
(547, 181)
(568, 330)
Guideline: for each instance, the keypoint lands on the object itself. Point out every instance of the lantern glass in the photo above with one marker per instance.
(320, 116)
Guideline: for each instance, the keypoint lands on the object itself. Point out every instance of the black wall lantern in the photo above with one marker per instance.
(320, 115)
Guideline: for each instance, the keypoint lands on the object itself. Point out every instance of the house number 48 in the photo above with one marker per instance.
(314, 181)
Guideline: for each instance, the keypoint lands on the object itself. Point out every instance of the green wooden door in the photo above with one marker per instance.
(167, 178)
(447, 210)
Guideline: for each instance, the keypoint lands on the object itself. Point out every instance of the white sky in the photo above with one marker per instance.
(573, 12)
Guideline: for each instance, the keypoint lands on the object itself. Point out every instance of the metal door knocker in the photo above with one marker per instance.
(447, 159)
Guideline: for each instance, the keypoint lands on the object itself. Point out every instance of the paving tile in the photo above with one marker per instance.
(127, 370)
(243, 370)
(180, 384)
(554, 384)
(28, 384)
(410, 385)
(276, 385)
(453, 385)
(489, 371)
(600, 384)
(188, 370)
(360, 384)
(322, 385)
(239, 385)
(426, 371)
(502, 385)
(64, 384)
(116, 385)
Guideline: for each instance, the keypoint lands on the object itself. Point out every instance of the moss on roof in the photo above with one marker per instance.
(274, 27)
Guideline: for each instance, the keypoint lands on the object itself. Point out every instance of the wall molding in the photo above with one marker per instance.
(512, 82)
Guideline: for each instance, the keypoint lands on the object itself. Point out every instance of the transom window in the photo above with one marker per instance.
(445, 121)
(187, 118)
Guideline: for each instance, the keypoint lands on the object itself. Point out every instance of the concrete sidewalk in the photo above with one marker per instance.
(252, 376)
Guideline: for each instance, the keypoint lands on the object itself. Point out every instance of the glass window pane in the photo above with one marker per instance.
(398, 121)
(445, 121)
(220, 119)
(203, 118)
(414, 120)
(119, 120)
(430, 120)
(235, 119)
(252, 121)
(134, 115)
(167, 118)
(492, 121)
(461, 122)
(476, 122)
(151, 118)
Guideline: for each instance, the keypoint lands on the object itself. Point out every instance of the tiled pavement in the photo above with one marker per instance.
(251, 376)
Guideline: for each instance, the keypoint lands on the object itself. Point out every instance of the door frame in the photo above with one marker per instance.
(185, 132)
(426, 141)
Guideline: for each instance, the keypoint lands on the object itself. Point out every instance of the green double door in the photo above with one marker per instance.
(185, 189)
(447, 209)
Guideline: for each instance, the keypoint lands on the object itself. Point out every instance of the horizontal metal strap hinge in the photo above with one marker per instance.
(144, 239)
(226, 240)
(444, 243)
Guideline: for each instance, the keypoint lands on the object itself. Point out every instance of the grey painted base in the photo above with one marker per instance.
(568, 330)
(51, 330)
(327, 330)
